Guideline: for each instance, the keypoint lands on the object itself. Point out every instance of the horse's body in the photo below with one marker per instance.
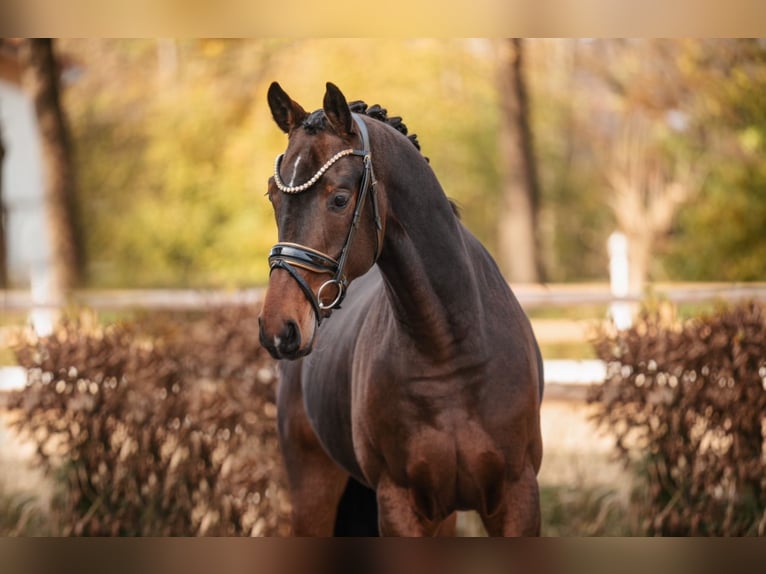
(426, 386)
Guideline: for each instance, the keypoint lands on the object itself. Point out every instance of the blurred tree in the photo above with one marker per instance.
(173, 166)
(647, 191)
(678, 128)
(518, 231)
(722, 234)
(3, 248)
(168, 190)
(658, 136)
(175, 144)
(643, 96)
(573, 221)
(40, 76)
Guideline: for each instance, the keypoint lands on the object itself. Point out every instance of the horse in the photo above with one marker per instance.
(424, 389)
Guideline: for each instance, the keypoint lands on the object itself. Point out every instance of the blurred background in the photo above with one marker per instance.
(171, 143)
(605, 176)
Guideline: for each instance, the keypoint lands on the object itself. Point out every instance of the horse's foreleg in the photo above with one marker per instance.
(316, 485)
(315, 482)
(519, 511)
(398, 516)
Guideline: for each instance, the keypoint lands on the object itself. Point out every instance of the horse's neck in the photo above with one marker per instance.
(429, 276)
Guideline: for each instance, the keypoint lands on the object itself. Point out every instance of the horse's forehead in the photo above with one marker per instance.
(311, 150)
(307, 146)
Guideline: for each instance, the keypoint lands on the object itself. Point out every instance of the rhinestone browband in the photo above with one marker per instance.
(303, 187)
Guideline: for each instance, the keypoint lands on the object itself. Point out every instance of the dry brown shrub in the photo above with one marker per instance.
(686, 401)
(158, 426)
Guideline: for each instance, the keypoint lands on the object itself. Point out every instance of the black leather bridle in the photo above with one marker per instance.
(288, 256)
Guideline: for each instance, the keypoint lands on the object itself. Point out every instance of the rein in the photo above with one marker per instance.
(288, 256)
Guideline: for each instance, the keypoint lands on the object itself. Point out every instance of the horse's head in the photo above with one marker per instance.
(328, 219)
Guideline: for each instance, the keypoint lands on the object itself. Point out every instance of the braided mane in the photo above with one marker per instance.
(316, 121)
(381, 114)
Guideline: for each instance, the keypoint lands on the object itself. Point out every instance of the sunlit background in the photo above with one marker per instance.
(173, 143)
(599, 173)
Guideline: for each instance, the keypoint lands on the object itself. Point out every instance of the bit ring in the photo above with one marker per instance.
(335, 301)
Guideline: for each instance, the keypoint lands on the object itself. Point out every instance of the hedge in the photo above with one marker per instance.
(685, 401)
(162, 425)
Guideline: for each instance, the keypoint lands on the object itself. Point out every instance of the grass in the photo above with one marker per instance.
(12, 318)
(572, 312)
(574, 511)
(566, 511)
(568, 350)
(7, 358)
(9, 321)
(586, 511)
(22, 514)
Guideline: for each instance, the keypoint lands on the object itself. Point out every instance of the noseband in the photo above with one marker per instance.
(288, 256)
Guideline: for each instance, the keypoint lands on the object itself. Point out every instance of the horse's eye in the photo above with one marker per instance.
(340, 200)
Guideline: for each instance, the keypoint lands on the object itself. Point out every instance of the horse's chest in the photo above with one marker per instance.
(328, 406)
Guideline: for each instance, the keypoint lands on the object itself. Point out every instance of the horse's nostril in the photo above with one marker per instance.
(291, 337)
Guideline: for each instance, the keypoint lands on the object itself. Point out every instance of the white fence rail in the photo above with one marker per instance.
(530, 296)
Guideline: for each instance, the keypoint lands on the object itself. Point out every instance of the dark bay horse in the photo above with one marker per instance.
(425, 387)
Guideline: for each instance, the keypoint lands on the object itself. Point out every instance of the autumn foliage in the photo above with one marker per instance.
(159, 426)
(685, 402)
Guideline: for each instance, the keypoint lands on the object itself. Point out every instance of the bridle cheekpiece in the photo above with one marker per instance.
(288, 256)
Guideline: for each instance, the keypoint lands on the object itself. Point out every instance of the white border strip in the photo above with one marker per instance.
(557, 371)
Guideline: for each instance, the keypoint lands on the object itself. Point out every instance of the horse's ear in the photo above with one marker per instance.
(285, 111)
(337, 111)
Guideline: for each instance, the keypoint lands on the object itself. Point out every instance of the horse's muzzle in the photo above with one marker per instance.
(286, 344)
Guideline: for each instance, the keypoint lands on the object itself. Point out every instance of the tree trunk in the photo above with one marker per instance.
(41, 79)
(519, 251)
(3, 248)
